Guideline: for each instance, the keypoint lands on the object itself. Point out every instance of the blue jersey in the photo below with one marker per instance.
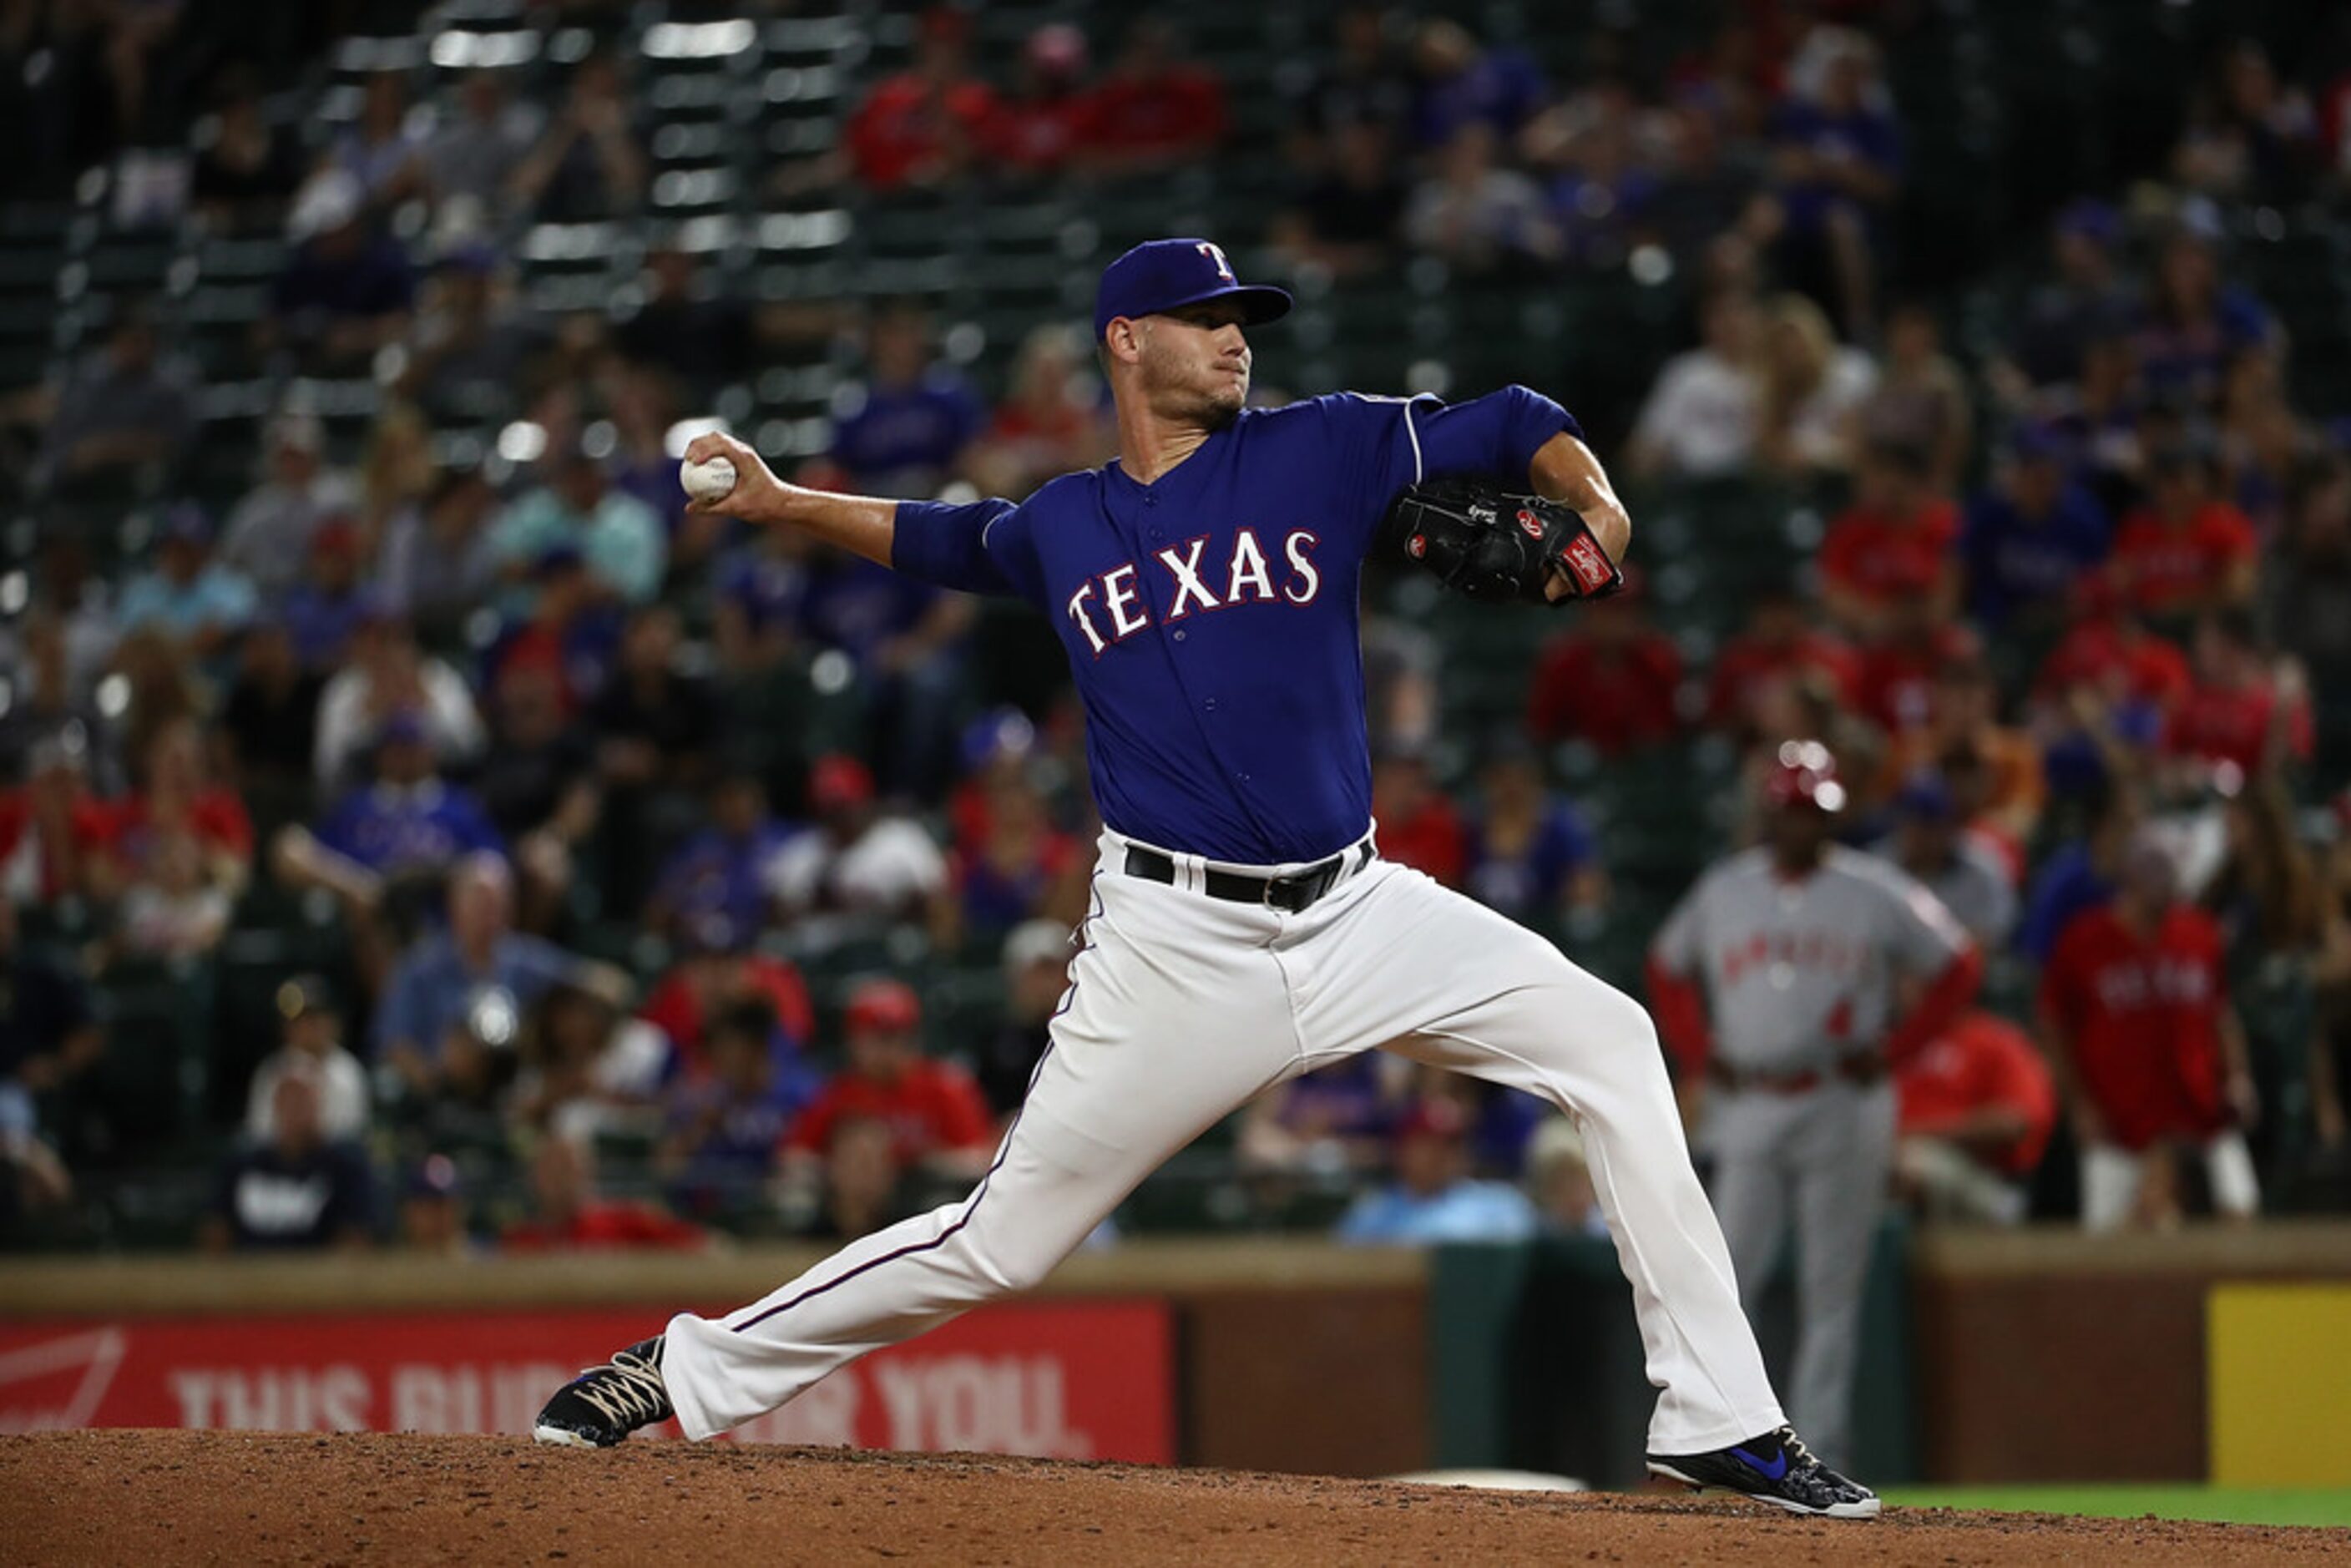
(1210, 616)
(2016, 563)
(397, 832)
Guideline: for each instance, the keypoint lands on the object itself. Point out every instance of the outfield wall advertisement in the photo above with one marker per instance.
(1082, 1380)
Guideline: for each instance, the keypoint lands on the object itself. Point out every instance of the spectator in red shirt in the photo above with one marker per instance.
(1022, 867)
(2243, 711)
(1052, 424)
(567, 1214)
(1977, 1109)
(1154, 110)
(180, 797)
(2186, 550)
(717, 968)
(1901, 671)
(1042, 126)
(1895, 544)
(2149, 1054)
(925, 125)
(57, 838)
(1780, 644)
(1613, 681)
(2111, 657)
(934, 1109)
(1419, 826)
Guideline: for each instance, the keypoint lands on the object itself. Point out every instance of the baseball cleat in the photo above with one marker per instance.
(1775, 1467)
(604, 1404)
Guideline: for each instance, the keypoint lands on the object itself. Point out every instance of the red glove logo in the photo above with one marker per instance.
(1530, 523)
(1587, 564)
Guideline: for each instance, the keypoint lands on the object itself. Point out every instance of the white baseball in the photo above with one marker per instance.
(707, 481)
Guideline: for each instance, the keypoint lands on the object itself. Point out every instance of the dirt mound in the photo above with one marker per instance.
(186, 1497)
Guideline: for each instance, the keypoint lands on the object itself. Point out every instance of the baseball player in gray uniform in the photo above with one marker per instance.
(1775, 983)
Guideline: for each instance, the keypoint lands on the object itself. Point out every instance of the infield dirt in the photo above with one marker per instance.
(251, 1497)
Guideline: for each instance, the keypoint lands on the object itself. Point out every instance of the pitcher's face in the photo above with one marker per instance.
(1195, 361)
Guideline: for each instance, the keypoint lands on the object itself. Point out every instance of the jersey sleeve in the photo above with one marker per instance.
(1497, 434)
(980, 546)
(1680, 945)
(1926, 935)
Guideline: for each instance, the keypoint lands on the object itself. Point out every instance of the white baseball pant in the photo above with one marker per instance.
(1184, 1007)
(2112, 1176)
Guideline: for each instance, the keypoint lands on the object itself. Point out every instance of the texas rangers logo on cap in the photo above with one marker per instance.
(1163, 275)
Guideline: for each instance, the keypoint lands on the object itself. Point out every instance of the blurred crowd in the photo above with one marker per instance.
(631, 827)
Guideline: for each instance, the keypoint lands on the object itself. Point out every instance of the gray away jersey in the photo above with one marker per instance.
(1798, 973)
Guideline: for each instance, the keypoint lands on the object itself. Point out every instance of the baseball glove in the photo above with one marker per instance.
(1494, 544)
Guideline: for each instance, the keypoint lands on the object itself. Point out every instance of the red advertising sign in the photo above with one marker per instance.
(1091, 1380)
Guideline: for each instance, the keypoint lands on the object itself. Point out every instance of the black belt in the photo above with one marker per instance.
(1291, 892)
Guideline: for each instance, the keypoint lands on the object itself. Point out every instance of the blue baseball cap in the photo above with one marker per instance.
(1163, 275)
(1926, 798)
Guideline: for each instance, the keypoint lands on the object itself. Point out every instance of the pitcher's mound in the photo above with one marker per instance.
(187, 1497)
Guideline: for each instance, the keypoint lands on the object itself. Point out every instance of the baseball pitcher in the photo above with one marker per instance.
(1774, 980)
(1244, 928)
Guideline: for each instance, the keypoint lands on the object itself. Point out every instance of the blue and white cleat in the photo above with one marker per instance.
(1775, 1467)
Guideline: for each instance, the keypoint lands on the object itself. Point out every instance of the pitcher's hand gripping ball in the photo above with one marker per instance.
(1494, 544)
(706, 481)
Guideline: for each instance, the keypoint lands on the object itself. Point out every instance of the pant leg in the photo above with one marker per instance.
(2229, 1172)
(1842, 1163)
(1176, 1016)
(2110, 1178)
(1398, 960)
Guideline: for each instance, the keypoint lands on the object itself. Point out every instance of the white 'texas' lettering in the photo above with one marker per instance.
(1187, 572)
(1305, 582)
(1085, 621)
(1118, 592)
(1248, 570)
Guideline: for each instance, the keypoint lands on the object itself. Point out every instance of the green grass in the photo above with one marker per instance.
(2227, 1505)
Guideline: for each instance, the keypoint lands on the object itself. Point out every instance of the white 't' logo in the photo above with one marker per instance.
(1217, 255)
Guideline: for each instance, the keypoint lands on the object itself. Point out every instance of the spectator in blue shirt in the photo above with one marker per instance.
(1532, 855)
(2031, 536)
(1462, 83)
(477, 967)
(2194, 326)
(905, 637)
(909, 436)
(348, 290)
(196, 601)
(49, 1034)
(1433, 1198)
(721, 869)
(326, 607)
(761, 590)
(2082, 873)
(2087, 297)
(409, 821)
(386, 840)
(1836, 161)
(727, 1124)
